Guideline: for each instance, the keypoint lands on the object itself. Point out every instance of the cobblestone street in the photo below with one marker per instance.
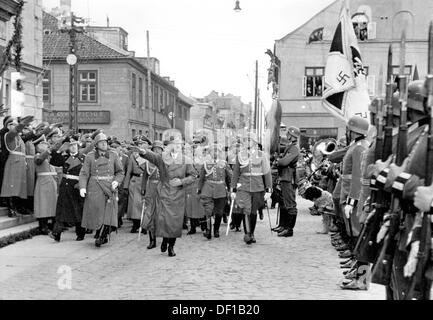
(303, 267)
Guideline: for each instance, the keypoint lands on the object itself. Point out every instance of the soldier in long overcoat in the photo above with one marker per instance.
(176, 173)
(123, 193)
(213, 185)
(69, 209)
(14, 184)
(133, 183)
(100, 177)
(151, 180)
(194, 209)
(45, 193)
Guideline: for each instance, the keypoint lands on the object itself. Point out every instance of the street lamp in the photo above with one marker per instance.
(237, 7)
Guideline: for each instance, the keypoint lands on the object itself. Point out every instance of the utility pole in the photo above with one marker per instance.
(256, 97)
(72, 60)
(149, 87)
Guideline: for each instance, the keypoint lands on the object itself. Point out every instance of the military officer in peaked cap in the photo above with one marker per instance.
(251, 184)
(214, 182)
(287, 165)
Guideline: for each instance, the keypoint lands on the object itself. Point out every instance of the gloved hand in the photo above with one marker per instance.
(348, 209)
(83, 193)
(114, 185)
(380, 165)
(383, 231)
(424, 198)
(176, 182)
(412, 261)
(268, 199)
(233, 195)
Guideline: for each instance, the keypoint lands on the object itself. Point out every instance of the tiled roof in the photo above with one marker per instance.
(56, 44)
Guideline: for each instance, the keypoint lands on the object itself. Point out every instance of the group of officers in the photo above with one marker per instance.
(89, 181)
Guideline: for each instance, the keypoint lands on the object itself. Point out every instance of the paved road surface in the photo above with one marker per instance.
(303, 267)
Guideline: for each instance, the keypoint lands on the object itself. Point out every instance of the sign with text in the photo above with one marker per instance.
(84, 117)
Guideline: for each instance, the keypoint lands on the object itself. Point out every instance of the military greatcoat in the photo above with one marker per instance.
(96, 176)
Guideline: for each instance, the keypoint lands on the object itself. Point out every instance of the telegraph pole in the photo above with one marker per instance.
(256, 97)
(149, 88)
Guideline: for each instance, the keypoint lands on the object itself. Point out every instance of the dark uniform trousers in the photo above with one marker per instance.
(214, 207)
(287, 204)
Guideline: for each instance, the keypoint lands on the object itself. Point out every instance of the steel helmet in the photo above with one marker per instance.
(101, 137)
(294, 132)
(359, 125)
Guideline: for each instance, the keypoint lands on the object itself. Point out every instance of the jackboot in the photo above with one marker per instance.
(164, 245)
(43, 226)
(135, 226)
(208, 233)
(216, 227)
(152, 241)
(253, 227)
(103, 239)
(192, 230)
(80, 232)
(171, 243)
(247, 229)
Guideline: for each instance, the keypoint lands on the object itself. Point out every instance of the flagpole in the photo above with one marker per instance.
(149, 87)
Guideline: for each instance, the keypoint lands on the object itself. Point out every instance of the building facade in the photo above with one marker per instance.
(112, 86)
(303, 54)
(31, 68)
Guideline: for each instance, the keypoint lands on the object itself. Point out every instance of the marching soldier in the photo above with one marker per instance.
(357, 130)
(176, 173)
(133, 183)
(194, 208)
(100, 177)
(251, 184)
(150, 182)
(69, 208)
(213, 184)
(123, 193)
(237, 212)
(287, 178)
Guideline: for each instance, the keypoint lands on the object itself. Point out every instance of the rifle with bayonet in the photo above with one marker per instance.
(367, 250)
(420, 272)
(382, 270)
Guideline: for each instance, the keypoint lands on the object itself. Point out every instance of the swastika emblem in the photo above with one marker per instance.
(342, 78)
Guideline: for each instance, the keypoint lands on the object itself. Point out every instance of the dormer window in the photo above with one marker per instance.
(47, 32)
(316, 35)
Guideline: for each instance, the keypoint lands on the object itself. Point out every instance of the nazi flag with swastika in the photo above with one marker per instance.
(346, 92)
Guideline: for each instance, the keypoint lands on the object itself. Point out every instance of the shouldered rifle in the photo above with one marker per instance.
(382, 270)
(424, 247)
(367, 249)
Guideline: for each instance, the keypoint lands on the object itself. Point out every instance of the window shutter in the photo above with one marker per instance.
(304, 86)
(371, 29)
(371, 84)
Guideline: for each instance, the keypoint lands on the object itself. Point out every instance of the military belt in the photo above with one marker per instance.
(154, 181)
(15, 153)
(46, 174)
(30, 157)
(137, 175)
(108, 178)
(215, 182)
(251, 174)
(69, 177)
